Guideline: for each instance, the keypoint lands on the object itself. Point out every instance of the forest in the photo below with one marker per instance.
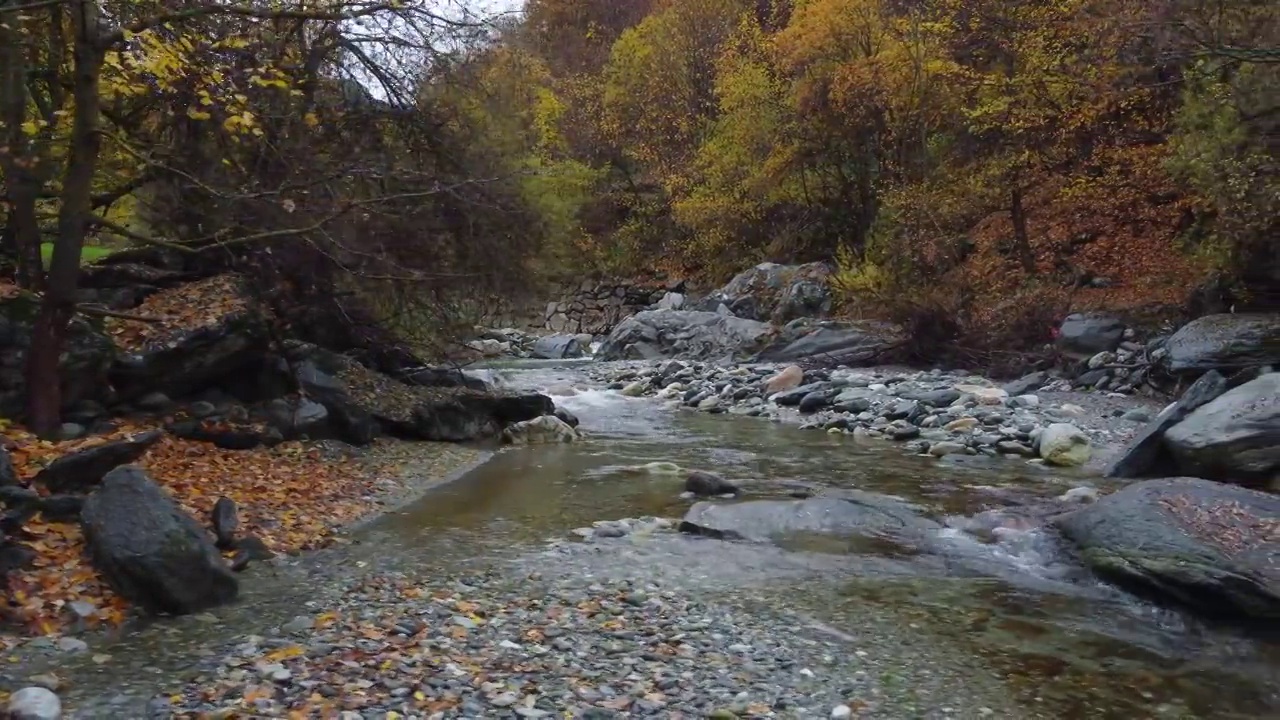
(973, 168)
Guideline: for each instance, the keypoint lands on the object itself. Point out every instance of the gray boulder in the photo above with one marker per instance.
(708, 484)
(1206, 545)
(689, 334)
(1226, 341)
(849, 343)
(853, 513)
(1087, 334)
(776, 293)
(544, 430)
(557, 347)
(1147, 455)
(150, 550)
(79, 471)
(1236, 437)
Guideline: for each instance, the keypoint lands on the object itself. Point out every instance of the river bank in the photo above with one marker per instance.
(438, 598)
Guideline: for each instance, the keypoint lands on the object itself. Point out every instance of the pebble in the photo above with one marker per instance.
(34, 703)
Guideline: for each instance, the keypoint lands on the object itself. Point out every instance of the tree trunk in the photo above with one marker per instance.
(1021, 240)
(22, 183)
(44, 395)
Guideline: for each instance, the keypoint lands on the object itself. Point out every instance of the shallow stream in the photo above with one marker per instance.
(997, 591)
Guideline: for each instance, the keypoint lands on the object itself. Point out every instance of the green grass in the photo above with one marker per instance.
(90, 253)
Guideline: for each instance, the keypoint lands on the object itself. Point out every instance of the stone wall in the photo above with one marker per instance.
(588, 306)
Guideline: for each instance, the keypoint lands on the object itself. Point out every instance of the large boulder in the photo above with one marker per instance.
(1147, 455)
(1203, 544)
(1086, 334)
(690, 334)
(1226, 342)
(82, 367)
(557, 347)
(775, 293)
(845, 343)
(150, 550)
(1236, 437)
(853, 513)
(189, 359)
(81, 470)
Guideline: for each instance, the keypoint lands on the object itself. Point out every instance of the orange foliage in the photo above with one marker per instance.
(289, 496)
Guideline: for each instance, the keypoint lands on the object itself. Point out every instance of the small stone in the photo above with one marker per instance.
(299, 624)
(70, 644)
(841, 711)
(506, 699)
(35, 703)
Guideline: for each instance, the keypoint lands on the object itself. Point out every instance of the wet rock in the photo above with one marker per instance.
(1147, 454)
(60, 508)
(682, 333)
(946, 447)
(1225, 342)
(815, 401)
(1206, 545)
(1086, 334)
(567, 417)
(79, 471)
(557, 347)
(854, 513)
(150, 550)
(1235, 437)
(935, 398)
(1065, 445)
(635, 389)
(708, 484)
(547, 429)
(225, 521)
(34, 703)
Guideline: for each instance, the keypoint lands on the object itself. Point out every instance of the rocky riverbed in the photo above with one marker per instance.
(932, 412)
(481, 600)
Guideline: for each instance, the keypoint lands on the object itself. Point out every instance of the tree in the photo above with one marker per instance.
(162, 84)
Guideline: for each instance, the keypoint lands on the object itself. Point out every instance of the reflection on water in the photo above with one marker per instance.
(1067, 645)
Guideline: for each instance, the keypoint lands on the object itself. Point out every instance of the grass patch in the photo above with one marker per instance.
(90, 253)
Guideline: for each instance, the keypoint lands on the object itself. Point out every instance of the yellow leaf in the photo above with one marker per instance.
(197, 114)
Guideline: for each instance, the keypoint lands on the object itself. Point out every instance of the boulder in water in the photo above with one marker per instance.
(557, 347)
(708, 484)
(1199, 543)
(1235, 438)
(853, 513)
(150, 550)
(544, 430)
(1225, 342)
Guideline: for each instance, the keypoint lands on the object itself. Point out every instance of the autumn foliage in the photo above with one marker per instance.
(291, 496)
(994, 152)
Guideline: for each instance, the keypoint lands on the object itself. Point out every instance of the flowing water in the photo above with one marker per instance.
(990, 586)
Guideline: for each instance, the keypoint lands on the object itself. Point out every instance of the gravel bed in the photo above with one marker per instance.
(504, 645)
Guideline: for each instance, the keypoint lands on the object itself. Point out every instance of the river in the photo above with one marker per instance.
(1006, 610)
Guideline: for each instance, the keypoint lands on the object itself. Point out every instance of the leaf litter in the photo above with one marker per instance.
(293, 497)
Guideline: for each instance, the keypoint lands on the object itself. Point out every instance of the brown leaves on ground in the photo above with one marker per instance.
(291, 496)
(178, 310)
(1225, 523)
